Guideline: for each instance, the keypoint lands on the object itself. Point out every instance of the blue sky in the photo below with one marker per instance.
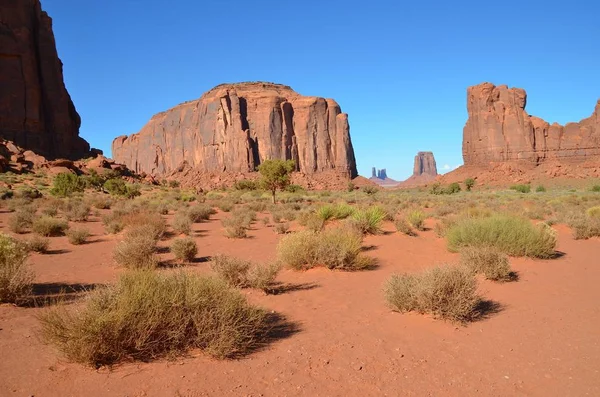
(400, 69)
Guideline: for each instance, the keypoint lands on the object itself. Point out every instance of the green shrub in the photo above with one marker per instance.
(116, 187)
(453, 188)
(469, 184)
(184, 249)
(446, 292)
(15, 276)
(49, 227)
(78, 236)
(368, 220)
(65, 184)
(38, 244)
(350, 187)
(487, 261)
(521, 188)
(338, 248)
(149, 315)
(540, 189)
(370, 190)
(182, 223)
(245, 184)
(595, 188)
(509, 234)
(416, 219)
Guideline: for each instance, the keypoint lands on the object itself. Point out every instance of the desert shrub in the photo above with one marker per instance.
(245, 184)
(52, 206)
(404, 226)
(226, 206)
(585, 226)
(237, 224)
(510, 234)
(173, 184)
(65, 184)
(6, 194)
(15, 276)
(49, 227)
(416, 219)
(153, 223)
(370, 190)
(350, 187)
(200, 212)
(102, 203)
(593, 212)
(469, 184)
(595, 188)
(266, 221)
(184, 249)
(453, 188)
(37, 244)
(76, 210)
(488, 261)
(137, 249)
(20, 221)
(521, 188)
(326, 212)
(540, 189)
(187, 196)
(148, 315)
(275, 175)
(78, 236)
(116, 187)
(245, 274)
(368, 220)
(449, 293)
(182, 223)
(27, 192)
(281, 228)
(338, 248)
(312, 221)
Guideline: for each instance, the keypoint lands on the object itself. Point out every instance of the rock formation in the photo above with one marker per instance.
(36, 111)
(425, 164)
(234, 127)
(499, 129)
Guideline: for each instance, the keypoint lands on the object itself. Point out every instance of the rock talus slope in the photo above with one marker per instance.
(36, 111)
(499, 129)
(234, 127)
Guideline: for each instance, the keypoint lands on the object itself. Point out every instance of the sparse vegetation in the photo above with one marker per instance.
(182, 223)
(521, 188)
(148, 315)
(184, 249)
(137, 249)
(368, 220)
(469, 184)
(487, 261)
(38, 244)
(15, 276)
(416, 219)
(49, 227)
(241, 273)
(78, 236)
(447, 292)
(510, 234)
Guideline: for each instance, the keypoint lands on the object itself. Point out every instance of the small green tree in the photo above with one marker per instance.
(469, 183)
(65, 184)
(275, 174)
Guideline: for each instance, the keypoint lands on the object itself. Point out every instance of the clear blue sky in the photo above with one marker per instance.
(398, 68)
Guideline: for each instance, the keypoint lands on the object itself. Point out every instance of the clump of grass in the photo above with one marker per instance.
(490, 262)
(338, 248)
(311, 221)
(182, 223)
(416, 219)
(403, 226)
(282, 228)
(148, 315)
(20, 221)
(114, 227)
(585, 226)
(76, 210)
(241, 273)
(200, 212)
(521, 188)
(153, 222)
(15, 276)
(78, 236)
(368, 220)
(38, 244)
(137, 249)
(184, 249)
(593, 212)
(238, 223)
(49, 227)
(446, 292)
(509, 234)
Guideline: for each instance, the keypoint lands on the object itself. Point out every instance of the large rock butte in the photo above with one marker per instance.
(425, 164)
(499, 129)
(234, 127)
(36, 111)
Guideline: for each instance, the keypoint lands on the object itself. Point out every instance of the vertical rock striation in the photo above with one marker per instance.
(425, 164)
(234, 127)
(36, 111)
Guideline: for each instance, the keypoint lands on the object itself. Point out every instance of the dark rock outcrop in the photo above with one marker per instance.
(499, 130)
(36, 111)
(234, 127)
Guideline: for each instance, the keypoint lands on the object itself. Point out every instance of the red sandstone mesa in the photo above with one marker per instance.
(36, 111)
(499, 130)
(233, 127)
(425, 164)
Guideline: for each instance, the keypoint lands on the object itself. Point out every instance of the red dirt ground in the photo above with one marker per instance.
(543, 342)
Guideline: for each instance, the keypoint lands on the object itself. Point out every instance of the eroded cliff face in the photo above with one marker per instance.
(36, 111)
(425, 164)
(499, 129)
(234, 127)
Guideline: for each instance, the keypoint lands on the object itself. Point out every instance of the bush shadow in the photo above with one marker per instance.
(485, 309)
(283, 288)
(48, 294)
